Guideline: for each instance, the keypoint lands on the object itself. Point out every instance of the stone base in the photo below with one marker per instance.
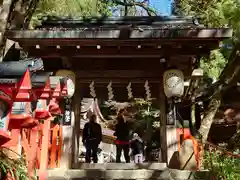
(126, 171)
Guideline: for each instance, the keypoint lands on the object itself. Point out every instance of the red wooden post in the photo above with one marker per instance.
(53, 150)
(32, 151)
(44, 149)
(60, 139)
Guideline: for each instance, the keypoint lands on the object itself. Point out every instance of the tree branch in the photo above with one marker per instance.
(31, 9)
(228, 78)
(139, 4)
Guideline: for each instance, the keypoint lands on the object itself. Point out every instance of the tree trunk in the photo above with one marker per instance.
(206, 123)
(4, 15)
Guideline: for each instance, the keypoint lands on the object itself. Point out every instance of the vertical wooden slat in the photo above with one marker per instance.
(53, 150)
(33, 151)
(59, 145)
(25, 143)
(44, 149)
(163, 125)
(40, 130)
(76, 107)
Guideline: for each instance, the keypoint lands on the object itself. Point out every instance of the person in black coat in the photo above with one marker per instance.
(92, 137)
(122, 132)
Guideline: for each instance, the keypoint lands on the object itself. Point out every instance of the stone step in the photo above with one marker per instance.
(121, 166)
(124, 171)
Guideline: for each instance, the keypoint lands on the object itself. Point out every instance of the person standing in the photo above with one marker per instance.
(92, 137)
(137, 147)
(122, 138)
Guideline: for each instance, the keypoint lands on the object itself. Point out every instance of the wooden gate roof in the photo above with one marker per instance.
(129, 43)
(128, 31)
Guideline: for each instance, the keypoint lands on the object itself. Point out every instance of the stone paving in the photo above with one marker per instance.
(126, 171)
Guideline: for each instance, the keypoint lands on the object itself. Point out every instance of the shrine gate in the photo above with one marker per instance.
(120, 51)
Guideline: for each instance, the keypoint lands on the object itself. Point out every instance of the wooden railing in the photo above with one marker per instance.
(31, 146)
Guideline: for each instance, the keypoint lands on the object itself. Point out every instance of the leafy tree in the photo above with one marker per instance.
(222, 65)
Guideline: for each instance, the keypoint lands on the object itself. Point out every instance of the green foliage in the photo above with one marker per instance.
(108, 110)
(16, 167)
(212, 13)
(215, 13)
(70, 8)
(86, 8)
(140, 109)
(223, 166)
(147, 111)
(213, 65)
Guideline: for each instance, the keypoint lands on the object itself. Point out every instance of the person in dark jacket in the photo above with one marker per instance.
(92, 136)
(137, 147)
(122, 138)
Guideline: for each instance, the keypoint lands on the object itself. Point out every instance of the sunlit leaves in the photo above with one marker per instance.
(70, 8)
(224, 167)
(213, 65)
(215, 13)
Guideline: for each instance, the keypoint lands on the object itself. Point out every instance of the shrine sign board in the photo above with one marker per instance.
(67, 116)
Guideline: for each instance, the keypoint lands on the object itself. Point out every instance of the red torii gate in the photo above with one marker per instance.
(26, 123)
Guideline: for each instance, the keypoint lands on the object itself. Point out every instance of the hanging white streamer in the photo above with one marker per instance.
(129, 90)
(147, 89)
(110, 91)
(92, 89)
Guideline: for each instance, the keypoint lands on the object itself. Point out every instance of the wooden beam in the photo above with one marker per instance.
(117, 42)
(117, 81)
(105, 33)
(114, 52)
(119, 74)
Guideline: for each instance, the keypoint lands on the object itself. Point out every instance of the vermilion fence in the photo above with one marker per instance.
(31, 145)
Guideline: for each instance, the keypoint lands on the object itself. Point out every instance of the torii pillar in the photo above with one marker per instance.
(68, 147)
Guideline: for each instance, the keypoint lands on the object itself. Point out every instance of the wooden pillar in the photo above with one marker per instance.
(67, 146)
(163, 120)
(168, 133)
(68, 121)
(172, 139)
(44, 149)
(70, 141)
(76, 128)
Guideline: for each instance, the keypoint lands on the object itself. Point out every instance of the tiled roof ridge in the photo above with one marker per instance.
(113, 22)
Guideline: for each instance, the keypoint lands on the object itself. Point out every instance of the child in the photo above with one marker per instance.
(137, 147)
